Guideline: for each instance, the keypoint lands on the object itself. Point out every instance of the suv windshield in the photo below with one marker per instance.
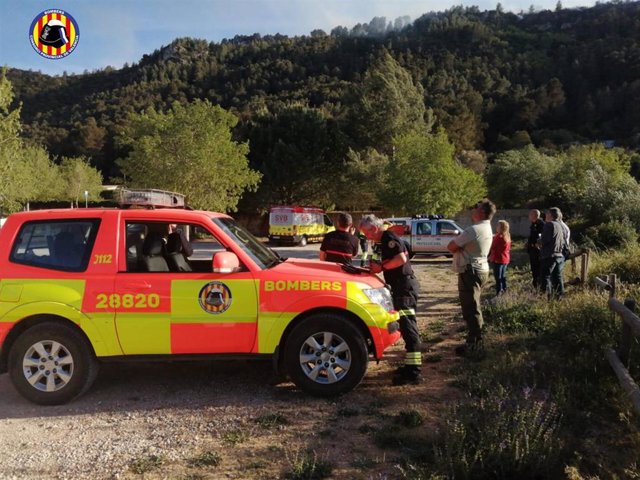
(260, 254)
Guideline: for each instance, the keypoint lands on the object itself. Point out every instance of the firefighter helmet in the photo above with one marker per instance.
(54, 34)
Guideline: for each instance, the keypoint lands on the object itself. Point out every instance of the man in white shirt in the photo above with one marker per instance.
(470, 250)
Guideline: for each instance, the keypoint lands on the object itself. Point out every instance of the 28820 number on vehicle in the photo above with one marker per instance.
(128, 300)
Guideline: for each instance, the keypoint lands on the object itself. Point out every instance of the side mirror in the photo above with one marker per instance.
(225, 262)
(456, 232)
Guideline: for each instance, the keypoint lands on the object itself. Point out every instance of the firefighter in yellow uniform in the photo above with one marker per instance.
(394, 263)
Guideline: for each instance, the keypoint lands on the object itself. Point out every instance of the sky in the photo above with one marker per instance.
(114, 32)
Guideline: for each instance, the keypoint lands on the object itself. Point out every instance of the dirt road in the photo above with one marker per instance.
(225, 420)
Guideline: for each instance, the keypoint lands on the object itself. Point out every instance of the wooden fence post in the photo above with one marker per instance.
(626, 339)
(588, 254)
(613, 281)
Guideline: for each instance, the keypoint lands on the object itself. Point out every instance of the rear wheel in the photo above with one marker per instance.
(303, 241)
(51, 364)
(326, 355)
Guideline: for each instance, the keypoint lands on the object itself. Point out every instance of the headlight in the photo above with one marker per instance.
(381, 296)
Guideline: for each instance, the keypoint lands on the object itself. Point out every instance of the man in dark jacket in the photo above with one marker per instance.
(340, 245)
(533, 246)
(551, 255)
(395, 265)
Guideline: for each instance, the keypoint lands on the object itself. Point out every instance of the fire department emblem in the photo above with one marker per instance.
(54, 34)
(215, 297)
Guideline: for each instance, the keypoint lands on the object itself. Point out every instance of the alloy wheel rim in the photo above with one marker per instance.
(48, 366)
(325, 358)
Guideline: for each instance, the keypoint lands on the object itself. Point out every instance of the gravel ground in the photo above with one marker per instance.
(153, 420)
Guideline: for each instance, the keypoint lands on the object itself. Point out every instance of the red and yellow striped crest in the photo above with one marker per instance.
(54, 34)
(215, 297)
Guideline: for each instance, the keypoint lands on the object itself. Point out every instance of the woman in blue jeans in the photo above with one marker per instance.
(500, 255)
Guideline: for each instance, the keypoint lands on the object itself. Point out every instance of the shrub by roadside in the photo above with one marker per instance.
(624, 262)
(542, 402)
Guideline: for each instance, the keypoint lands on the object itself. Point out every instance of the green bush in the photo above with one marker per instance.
(307, 466)
(501, 436)
(205, 459)
(613, 234)
(512, 316)
(624, 262)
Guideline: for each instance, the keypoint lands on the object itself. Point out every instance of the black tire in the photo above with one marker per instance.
(303, 241)
(72, 367)
(332, 378)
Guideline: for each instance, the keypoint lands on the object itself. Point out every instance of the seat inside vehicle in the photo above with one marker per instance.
(175, 256)
(153, 253)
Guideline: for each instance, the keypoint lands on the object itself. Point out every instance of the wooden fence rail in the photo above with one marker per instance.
(619, 360)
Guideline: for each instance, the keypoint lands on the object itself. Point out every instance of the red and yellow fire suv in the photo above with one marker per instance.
(82, 286)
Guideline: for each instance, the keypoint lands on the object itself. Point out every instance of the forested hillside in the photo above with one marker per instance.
(493, 80)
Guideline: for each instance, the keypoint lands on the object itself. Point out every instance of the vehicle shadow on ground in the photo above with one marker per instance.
(155, 386)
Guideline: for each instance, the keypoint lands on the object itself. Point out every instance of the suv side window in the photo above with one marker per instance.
(56, 244)
(423, 228)
(447, 228)
(169, 247)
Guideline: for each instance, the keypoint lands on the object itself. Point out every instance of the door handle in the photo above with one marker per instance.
(138, 285)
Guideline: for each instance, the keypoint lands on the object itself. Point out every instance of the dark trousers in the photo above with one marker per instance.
(470, 284)
(551, 280)
(405, 299)
(500, 276)
(534, 260)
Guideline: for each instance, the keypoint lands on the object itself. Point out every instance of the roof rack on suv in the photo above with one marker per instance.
(148, 198)
(429, 216)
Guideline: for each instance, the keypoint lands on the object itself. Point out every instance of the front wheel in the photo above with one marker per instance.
(303, 241)
(326, 355)
(51, 364)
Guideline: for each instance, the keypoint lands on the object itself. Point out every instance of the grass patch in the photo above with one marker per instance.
(374, 407)
(436, 326)
(434, 358)
(396, 437)
(256, 465)
(505, 435)
(272, 420)
(307, 466)
(625, 263)
(410, 418)
(366, 428)
(205, 459)
(364, 462)
(235, 437)
(428, 337)
(348, 412)
(193, 476)
(146, 464)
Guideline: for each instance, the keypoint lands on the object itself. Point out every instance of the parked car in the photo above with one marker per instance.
(427, 234)
(298, 225)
